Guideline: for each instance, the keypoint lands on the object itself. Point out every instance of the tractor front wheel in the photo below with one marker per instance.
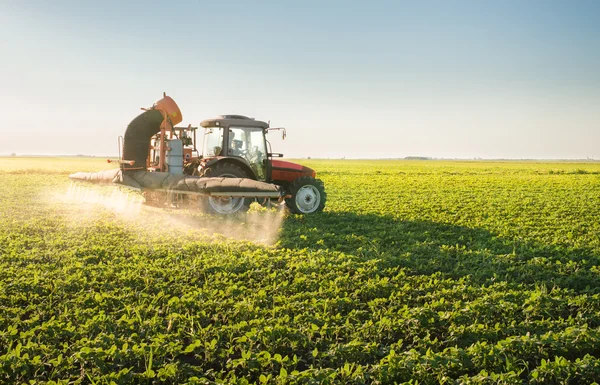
(226, 205)
(308, 196)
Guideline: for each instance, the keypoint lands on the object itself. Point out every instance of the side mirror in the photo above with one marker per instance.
(282, 129)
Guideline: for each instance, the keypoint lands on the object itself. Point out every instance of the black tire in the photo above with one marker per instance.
(308, 196)
(220, 205)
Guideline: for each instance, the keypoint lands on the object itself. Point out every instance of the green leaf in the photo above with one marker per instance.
(535, 374)
(283, 373)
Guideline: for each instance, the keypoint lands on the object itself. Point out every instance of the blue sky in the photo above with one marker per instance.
(504, 79)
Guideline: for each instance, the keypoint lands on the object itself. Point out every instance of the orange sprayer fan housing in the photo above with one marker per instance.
(168, 108)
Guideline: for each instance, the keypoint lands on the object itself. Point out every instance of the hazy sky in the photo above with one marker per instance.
(510, 79)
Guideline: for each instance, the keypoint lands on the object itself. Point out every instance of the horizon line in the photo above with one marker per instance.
(407, 158)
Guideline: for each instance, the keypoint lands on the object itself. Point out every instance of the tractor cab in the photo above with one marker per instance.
(239, 139)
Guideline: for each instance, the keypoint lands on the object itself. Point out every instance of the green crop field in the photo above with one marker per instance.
(417, 272)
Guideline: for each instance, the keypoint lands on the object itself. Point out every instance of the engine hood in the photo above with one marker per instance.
(289, 171)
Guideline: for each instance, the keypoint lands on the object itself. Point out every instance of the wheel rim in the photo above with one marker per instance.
(226, 205)
(308, 199)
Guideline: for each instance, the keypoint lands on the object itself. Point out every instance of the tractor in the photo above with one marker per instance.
(235, 168)
(236, 146)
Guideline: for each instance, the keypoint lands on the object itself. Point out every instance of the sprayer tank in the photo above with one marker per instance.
(175, 156)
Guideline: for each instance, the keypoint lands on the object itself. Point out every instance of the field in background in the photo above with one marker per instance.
(432, 271)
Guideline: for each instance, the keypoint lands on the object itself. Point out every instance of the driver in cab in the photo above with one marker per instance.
(236, 147)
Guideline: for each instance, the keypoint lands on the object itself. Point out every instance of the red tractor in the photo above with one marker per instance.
(159, 158)
(236, 146)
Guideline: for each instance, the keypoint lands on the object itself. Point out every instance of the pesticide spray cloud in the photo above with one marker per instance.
(118, 201)
(88, 203)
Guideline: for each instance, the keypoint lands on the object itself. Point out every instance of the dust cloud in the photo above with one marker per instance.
(85, 204)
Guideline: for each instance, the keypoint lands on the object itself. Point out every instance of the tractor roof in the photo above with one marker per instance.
(233, 121)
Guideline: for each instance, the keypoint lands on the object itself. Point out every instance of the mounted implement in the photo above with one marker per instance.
(233, 170)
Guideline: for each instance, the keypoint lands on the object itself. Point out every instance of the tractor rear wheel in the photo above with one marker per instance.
(226, 205)
(308, 196)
